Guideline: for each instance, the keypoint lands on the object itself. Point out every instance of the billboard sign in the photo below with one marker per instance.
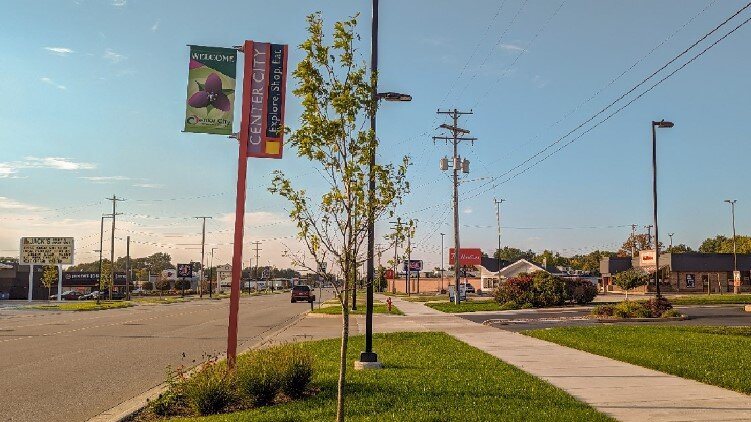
(467, 256)
(647, 258)
(414, 265)
(264, 84)
(89, 279)
(46, 251)
(185, 270)
(211, 90)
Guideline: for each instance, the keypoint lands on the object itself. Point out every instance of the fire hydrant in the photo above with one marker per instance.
(388, 302)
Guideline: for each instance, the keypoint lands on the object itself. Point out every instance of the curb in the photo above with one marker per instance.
(607, 320)
(125, 410)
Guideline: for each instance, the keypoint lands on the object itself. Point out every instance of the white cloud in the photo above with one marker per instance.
(119, 3)
(112, 56)
(467, 210)
(50, 82)
(511, 47)
(7, 171)
(60, 51)
(148, 185)
(155, 26)
(57, 163)
(11, 204)
(105, 179)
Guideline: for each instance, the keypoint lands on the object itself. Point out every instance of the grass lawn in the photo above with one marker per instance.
(149, 300)
(378, 308)
(716, 299)
(467, 306)
(712, 355)
(89, 305)
(432, 298)
(419, 383)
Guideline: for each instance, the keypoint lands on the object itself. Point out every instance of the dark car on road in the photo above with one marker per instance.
(102, 295)
(69, 295)
(302, 293)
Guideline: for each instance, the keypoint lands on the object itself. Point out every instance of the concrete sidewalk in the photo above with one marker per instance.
(624, 391)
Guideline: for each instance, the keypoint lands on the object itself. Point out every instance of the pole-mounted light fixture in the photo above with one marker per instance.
(393, 96)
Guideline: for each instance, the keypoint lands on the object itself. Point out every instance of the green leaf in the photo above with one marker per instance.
(228, 91)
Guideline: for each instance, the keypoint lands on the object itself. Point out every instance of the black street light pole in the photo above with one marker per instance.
(660, 124)
(736, 289)
(368, 355)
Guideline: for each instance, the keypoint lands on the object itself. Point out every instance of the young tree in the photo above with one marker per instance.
(630, 279)
(49, 277)
(336, 97)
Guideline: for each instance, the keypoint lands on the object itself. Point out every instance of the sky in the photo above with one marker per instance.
(95, 92)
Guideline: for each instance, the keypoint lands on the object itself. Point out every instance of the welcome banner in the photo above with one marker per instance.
(263, 98)
(211, 90)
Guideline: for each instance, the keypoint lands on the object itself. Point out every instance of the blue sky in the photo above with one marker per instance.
(95, 93)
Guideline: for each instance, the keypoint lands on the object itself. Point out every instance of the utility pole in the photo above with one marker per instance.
(442, 234)
(203, 246)
(633, 240)
(408, 263)
(211, 282)
(456, 164)
(257, 244)
(498, 203)
(397, 226)
(128, 275)
(114, 200)
(649, 235)
(736, 289)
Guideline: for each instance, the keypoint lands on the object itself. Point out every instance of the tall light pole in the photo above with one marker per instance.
(368, 355)
(736, 289)
(101, 242)
(655, 125)
(211, 265)
(203, 247)
(498, 203)
(442, 234)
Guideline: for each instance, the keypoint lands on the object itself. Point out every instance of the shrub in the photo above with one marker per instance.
(517, 290)
(296, 370)
(628, 309)
(209, 390)
(603, 310)
(642, 313)
(548, 290)
(580, 291)
(509, 305)
(258, 377)
(671, 313)
(658, 306)
(172, 401)
(147, 285)
(182, 284)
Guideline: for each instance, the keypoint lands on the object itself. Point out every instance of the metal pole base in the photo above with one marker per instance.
(368, 357)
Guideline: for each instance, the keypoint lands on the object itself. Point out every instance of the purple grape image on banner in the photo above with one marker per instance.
(211, 94)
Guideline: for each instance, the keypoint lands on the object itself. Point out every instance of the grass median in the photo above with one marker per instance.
(378, 308)
(716, 299)
(467, 306)
(82, 306)
(418, 383)
(712, 355)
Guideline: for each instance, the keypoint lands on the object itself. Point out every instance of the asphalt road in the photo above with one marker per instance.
(71, 366)
(532, 319)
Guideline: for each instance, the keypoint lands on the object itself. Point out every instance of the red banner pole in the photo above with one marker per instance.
(242, 167)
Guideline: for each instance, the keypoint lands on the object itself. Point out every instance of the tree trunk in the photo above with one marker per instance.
(343, 352)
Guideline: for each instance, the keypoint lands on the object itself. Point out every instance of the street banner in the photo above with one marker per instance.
(467, 256)
(263, 98)
(46, 251)
(211, 90)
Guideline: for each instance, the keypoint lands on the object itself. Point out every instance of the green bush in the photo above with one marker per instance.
(517, 290)
(182, 284)
(258, 377)
(658, 306)
(630, 309)
(642, 313)
(580, 291)
(671, 313)
(603, 310)
(548, 290)
(210, 390)
(509, 305)
(296, 370)
(147, 285)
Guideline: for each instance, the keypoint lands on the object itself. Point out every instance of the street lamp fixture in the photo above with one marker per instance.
(393, 96)
(661, 124)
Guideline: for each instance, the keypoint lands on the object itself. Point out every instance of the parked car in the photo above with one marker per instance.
(470, 288)
(302, 293)
(90, 296)
(68, 295)
(102, 295)
(138, 292)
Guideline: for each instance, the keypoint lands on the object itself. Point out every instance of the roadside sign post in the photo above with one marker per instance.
(56, 251)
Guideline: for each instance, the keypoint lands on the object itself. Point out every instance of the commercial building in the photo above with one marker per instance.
(14, 280)
(690, 272)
